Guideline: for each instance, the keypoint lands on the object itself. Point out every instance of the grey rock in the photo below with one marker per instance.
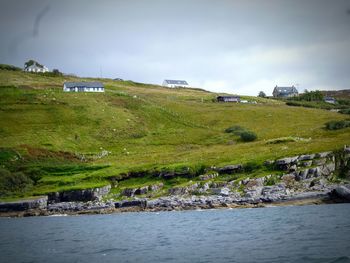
(131, 203)
(323, 154)
(208, 176)
(156, 187)
(129, 192)
(306, 157)
(342, 191)
(221, 191)
(307, 163)
(230, 169)
(286, 163)
(287, 160)
(142, 190)
(319, 161)
(79, 195)
(22, 205)
(302, 175)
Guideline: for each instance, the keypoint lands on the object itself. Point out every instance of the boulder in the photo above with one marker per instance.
(129, 192)
(307, 163)
(342, 192)
(230, 169)
(253, 183)
(208, 176)
(156, 187)
(183, 190)
(302, 175)
(286, 163)
(323, 154)
(142, 190)
(221, 191)
(126, 203)
(319, 161)
(306, 157)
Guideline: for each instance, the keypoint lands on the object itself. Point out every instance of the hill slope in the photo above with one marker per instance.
(79, 140)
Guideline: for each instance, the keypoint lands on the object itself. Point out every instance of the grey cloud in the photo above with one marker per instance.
(232, 46)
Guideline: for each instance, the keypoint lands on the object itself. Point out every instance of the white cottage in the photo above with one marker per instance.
(83, 87)
(175, 83)
(36, 68)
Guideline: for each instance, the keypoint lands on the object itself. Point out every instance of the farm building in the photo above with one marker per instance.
(228, 99)
(175, 83)
(83, 87)
(285, 92)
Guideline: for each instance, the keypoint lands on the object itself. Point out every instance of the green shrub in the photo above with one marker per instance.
(237, 130)
(272, 180)
(16, 182)
(9, 67)
(248, 136)
(345, 111)
(337, 125)
(251, 166)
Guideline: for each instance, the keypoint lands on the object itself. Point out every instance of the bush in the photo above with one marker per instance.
(337, 125)
(345, 111)
(251, 166)
(16, 182)
(9, 67)
(237, 130)
(248, 136)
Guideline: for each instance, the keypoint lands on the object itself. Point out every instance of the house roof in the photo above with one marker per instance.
(84, 84)
(227, 97)
(35, 66)
(287, 90)
(178, 82)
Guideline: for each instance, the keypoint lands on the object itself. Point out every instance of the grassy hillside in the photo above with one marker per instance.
(77, 140)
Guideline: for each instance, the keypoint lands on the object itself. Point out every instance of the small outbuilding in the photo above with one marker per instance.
(330, 100)
(83, 87)
(228, 99)
(175, 83)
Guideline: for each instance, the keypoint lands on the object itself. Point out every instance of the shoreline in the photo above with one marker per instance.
(316, 198)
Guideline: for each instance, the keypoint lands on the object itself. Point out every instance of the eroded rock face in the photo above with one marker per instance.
(130, 192)
(208, 176)
(286, 163)
(84, 195)
(22, 205)
(142, 203)
(183, 190)
(221, 191)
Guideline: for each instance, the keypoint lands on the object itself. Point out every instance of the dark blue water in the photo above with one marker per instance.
(277, 234)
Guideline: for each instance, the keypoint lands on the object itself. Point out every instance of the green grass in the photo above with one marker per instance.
(143, 127)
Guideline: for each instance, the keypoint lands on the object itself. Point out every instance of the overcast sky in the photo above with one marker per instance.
(220, 45)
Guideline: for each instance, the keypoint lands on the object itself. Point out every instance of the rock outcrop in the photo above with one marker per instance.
(23, 205)
(84, 195)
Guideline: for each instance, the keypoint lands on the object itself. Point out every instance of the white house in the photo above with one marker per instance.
(83, 87)
(175, 83)
(36, 67)
(330, 100)
(285, 92)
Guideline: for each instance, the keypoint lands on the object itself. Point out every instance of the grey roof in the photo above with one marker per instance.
(177, 82)
(291, 89)
(84, 84)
